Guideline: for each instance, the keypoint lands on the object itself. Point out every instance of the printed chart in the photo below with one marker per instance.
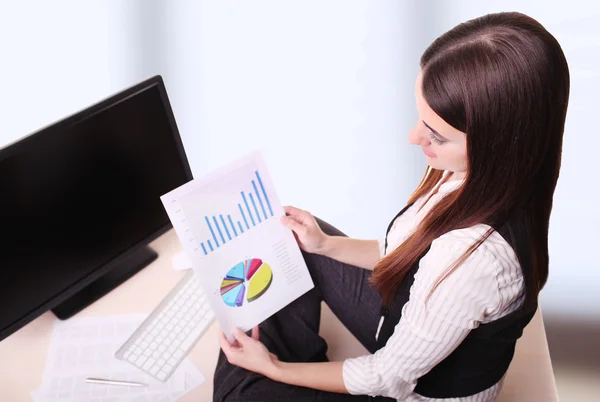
(246, 281)
(254, 208)
(249, 264)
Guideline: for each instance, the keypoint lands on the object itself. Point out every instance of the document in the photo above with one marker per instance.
(84, 347)
(181, 261)
(248, 263)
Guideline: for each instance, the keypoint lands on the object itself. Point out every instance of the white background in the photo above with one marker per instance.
(324, 88)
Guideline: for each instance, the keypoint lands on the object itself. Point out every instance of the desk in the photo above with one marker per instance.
(23, 354)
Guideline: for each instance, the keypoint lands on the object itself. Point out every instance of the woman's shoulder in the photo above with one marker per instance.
(493, 265)
(494, 250)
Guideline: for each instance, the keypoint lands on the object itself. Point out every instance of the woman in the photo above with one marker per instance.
(441, 301)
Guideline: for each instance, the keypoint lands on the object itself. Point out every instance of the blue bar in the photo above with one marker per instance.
(232, 225)
(210, 245)
(211, 232)
(219, 229)
(264, 192)
(243, 216)
(203, 248)
(254, 205)
(225, 226)
(259, 200)
(248, 208)
(241, 228)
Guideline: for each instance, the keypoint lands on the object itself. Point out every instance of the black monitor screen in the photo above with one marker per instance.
(81, 192)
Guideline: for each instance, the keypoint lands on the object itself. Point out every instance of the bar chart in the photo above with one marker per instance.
(225, 208)
(252, 209)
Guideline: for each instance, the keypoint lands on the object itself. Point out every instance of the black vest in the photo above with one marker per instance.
(483, 357)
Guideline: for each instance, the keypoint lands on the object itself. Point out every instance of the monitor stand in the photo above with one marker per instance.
(118, 273)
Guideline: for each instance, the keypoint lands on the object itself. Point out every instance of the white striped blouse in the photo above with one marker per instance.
(487, 286)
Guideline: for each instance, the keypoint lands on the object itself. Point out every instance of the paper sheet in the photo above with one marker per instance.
(83, 347)
(181, 261)
(248, 263)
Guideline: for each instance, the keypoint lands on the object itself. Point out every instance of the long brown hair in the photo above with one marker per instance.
(504, 81)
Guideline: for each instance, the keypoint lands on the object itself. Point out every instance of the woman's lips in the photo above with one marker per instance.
(428, 153)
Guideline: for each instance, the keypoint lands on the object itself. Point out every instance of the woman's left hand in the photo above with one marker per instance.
(249, 353)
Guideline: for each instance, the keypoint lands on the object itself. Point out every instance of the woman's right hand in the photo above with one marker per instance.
(309, 235)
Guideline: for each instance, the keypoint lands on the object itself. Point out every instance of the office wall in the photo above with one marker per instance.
(324, 88)
(58, 57)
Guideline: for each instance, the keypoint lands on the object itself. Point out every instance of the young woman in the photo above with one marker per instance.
(441, 301)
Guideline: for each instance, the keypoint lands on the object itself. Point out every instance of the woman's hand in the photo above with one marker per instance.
(309, 235)
(249, 353)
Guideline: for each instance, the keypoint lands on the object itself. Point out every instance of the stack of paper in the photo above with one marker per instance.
(84, 347)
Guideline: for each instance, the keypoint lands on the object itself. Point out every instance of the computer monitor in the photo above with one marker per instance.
(80, 202)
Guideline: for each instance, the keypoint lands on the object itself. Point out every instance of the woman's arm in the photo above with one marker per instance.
(248, 352)
(361, 253)
(430, 329)
(326, 376)
(310, 237)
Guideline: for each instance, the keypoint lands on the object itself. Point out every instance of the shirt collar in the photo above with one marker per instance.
(450, 185)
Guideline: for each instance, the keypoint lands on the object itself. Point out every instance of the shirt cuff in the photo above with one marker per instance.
(355, 373)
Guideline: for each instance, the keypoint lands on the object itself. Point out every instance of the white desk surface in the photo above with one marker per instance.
(23, 354)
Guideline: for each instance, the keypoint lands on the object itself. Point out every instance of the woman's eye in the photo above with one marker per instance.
(435, 139)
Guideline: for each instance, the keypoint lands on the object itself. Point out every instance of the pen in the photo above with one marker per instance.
(115, 382)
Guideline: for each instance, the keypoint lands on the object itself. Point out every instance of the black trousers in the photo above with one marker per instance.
(293, 333)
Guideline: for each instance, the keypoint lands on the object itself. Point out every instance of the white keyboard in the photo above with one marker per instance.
(164, 339)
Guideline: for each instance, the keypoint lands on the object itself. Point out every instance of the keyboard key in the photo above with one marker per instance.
(149, 363)
(189, 341)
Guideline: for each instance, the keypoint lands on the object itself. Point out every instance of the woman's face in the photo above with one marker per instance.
(444, 146)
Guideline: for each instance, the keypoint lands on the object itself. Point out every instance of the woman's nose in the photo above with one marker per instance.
(417, 137)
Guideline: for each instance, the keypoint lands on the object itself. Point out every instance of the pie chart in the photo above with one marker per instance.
(246, 282)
